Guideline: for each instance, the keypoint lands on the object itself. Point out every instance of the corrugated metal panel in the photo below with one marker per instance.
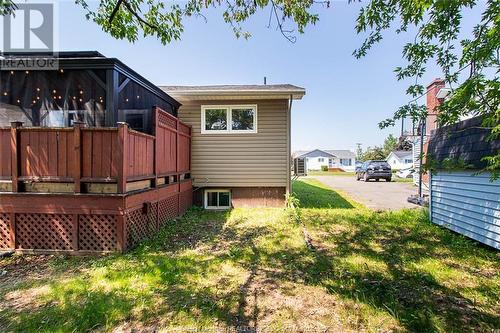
(468, 204)
(232, 160)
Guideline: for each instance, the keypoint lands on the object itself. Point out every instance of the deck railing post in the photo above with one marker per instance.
(15, 154)
(177, 168)
(155, 146)
(123, 166)
(77, 162)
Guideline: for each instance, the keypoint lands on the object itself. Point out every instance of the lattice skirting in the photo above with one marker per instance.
(5, 239)
(143, 222)
(111, 230)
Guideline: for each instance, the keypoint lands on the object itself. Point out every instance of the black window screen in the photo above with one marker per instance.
(53, 98)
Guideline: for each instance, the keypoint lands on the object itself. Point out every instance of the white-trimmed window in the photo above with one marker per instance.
(345, 162)
(221, 119)
(217, 199)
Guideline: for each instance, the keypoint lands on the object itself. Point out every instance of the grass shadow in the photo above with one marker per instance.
(400, 263)
(391, 271)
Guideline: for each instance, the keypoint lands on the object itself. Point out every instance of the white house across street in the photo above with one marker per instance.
(400, 159)
(344, 160)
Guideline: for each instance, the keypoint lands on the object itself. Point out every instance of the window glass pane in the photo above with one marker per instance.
(242, 119)
(215, 119)
(54, 118)
(212, 199)
(135, 121)
(224, 199)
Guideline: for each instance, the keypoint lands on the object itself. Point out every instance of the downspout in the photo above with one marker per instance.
(422, 128)
(288, 146)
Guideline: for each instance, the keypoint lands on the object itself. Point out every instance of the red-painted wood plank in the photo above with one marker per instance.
(62, 160)
(52, 153)
(87, 154)
(97, 154)
(106, 154)
(115, 162)
(44, 154)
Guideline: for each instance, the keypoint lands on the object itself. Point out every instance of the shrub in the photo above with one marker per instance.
(324, 168)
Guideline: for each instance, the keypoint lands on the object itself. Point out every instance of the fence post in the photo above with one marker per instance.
(177, 168)
(177, 136)
(15, 154)
(77, 162)
(155, 146)
(123, 167)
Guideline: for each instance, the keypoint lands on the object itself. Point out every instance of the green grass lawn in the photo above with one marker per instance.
(361, 270)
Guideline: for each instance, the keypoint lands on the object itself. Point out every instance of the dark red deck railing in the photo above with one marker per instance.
(81, 155)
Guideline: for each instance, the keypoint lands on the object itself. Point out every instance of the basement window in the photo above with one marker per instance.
(217, 199)
(228, 119)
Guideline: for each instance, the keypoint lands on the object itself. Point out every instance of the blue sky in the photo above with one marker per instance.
(345, 99)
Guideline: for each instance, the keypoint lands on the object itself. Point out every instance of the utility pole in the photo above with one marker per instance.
(359, 151)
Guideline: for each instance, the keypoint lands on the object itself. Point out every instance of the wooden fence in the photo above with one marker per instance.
(98, 189)
(70, 157)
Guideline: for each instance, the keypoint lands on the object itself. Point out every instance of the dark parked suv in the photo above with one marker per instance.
(374, 170)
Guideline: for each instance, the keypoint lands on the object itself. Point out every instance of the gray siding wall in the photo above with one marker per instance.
(240, 160)
(468, 204)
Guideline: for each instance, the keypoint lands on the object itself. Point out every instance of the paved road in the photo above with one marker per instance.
(377, 195)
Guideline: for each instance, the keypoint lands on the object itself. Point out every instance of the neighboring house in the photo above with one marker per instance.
(461, 198)
(241, 142)
(400, 159)
(315, 159)
(344, 160)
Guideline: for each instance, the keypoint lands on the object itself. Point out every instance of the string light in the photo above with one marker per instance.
(5, 93)
(37, 89)
(61, 70)
(38, 97)
(60, 97)
(27, 72)
(11, 72)
(18, 101)
(126, 99)
(138, 96)
(54, 91)
(81, 100)
(81, 92)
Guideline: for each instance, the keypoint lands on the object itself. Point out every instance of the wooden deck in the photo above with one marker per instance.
(91, 189)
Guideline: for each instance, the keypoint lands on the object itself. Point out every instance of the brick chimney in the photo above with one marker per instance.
(432, 103)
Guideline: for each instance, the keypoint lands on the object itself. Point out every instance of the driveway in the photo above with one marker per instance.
(377, 195)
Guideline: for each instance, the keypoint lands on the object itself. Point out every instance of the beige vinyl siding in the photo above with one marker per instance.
(237, 159)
